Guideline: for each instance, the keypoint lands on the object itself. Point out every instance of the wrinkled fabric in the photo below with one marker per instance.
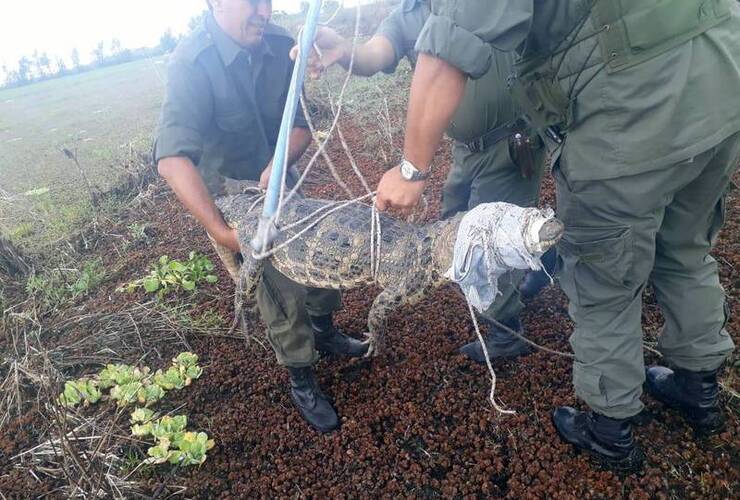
(492, 239)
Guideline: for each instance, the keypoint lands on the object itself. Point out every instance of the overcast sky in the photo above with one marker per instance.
(58, 26)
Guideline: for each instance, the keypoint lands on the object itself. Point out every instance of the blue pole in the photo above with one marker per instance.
(266, 231)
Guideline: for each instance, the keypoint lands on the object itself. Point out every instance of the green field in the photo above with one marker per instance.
(98, 113)
(102, 115)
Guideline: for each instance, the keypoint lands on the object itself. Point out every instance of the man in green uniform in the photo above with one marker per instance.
(220, 119)
(483, 169)
(642, 94)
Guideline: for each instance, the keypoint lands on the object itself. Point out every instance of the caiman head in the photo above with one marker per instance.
(543, 232)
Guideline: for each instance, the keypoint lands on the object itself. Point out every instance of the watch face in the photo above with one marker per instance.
(406, 172)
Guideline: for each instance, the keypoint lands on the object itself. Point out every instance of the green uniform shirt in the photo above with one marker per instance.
(224, 104)
(486, 104)
(650, 116)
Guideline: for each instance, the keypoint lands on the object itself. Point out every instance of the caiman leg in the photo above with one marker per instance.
(407, 293)
(246, 287)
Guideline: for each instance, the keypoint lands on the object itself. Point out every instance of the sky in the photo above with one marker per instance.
(58, 26)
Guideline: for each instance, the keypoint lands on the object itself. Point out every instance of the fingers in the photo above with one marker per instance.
(381, 204)
(384, 204)
(294, 52)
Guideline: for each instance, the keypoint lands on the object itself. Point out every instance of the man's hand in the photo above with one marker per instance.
(265, 177)
(396, 192)
(228, 239)
(333, 48)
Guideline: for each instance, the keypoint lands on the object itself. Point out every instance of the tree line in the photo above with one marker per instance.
(39, 66)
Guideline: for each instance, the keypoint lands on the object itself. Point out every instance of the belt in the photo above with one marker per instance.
(490, 138)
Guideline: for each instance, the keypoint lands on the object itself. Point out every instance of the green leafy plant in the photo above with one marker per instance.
(133, 385)
(138, 231)
(173, 443)
(83, 391)
(169, 274)
(181, 374)
(120, 374)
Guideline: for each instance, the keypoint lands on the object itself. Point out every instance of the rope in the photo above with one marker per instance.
(491, 395)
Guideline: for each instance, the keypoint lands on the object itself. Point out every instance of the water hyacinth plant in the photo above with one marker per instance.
(133, 385)
(83, 391)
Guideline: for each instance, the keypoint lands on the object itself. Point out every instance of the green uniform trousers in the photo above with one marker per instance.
(284, 306)
(485, 177)
(622, 233)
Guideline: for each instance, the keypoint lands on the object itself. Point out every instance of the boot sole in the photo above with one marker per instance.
(631, 464)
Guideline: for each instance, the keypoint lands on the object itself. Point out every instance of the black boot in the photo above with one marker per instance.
(608, 440)
(500, 343)
(310, 401)
(694, 394)
(329, 340)
(535, 281)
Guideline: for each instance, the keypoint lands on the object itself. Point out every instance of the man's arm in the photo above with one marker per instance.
(372, 56)
(436, 92)
(300, 138)
(456, 42)
(186, 182)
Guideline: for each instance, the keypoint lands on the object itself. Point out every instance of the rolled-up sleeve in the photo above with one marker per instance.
(186, 113)
(465, 32)
(391, 29)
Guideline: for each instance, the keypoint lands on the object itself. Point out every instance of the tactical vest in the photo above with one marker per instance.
(629, 32)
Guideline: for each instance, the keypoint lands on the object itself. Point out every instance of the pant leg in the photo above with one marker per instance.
(608, 252)
(320, 301)
(485, 177)
(281, 303)
(685, 276)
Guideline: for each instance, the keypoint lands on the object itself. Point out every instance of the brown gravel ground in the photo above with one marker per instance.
(415, 420)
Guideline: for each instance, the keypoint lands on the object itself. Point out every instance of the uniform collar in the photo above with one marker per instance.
(227, 48)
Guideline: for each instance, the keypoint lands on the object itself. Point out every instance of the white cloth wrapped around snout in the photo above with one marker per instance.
(492, 239)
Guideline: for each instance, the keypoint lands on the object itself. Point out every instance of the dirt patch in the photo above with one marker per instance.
(415, 421)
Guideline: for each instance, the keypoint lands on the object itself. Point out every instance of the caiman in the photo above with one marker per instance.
(335, 253)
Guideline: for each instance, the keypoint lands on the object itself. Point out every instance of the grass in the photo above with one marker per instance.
(101, 115)
(57, 286)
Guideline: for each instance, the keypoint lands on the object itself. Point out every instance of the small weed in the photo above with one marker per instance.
(91, 276)
(57, 286)
(50, 288)
(21, 231)
(208, 320)
(138, 232)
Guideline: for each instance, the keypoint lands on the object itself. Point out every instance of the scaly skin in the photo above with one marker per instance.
(335, 253)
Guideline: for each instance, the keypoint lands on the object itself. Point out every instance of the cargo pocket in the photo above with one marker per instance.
(718, 219)
(587, 382)
(596, 264)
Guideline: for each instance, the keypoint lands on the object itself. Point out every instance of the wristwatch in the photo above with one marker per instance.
(411, 173)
